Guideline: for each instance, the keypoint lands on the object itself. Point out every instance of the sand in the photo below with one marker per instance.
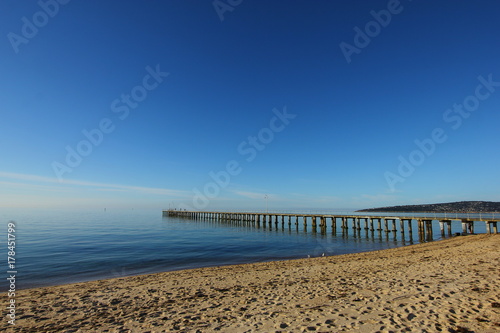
(442, 286)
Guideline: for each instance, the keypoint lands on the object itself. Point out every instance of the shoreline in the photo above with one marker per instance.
(208, 267)
(264, 259)
(449, 285)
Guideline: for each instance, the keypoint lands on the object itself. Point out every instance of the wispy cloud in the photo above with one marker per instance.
(328, 198)
(25, 186)
(33, 179)
(372, 200)
(378, 197)
(251, 195)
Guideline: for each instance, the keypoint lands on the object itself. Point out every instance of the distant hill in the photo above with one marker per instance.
(456, 207)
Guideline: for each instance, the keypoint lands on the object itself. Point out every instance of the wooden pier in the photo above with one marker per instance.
(382, 223)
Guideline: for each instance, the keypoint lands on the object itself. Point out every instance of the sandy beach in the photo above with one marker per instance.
(443, 286)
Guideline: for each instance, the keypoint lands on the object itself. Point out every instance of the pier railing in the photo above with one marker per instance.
(481, 216)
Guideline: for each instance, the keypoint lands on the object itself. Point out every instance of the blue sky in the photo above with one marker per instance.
(316, 104)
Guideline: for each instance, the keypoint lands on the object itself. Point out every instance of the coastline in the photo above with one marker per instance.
(450, 285)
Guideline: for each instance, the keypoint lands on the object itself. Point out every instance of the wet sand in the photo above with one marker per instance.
(443, 286)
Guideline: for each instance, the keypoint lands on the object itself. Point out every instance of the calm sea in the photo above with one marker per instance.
(58, 247)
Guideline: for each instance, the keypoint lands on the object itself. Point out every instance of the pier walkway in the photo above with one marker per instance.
(387, 222)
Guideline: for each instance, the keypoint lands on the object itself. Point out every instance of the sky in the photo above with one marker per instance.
(248, 105)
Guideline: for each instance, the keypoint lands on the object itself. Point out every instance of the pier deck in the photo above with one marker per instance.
(383, 222)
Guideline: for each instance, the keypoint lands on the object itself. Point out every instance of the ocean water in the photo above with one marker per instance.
(60, 246)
